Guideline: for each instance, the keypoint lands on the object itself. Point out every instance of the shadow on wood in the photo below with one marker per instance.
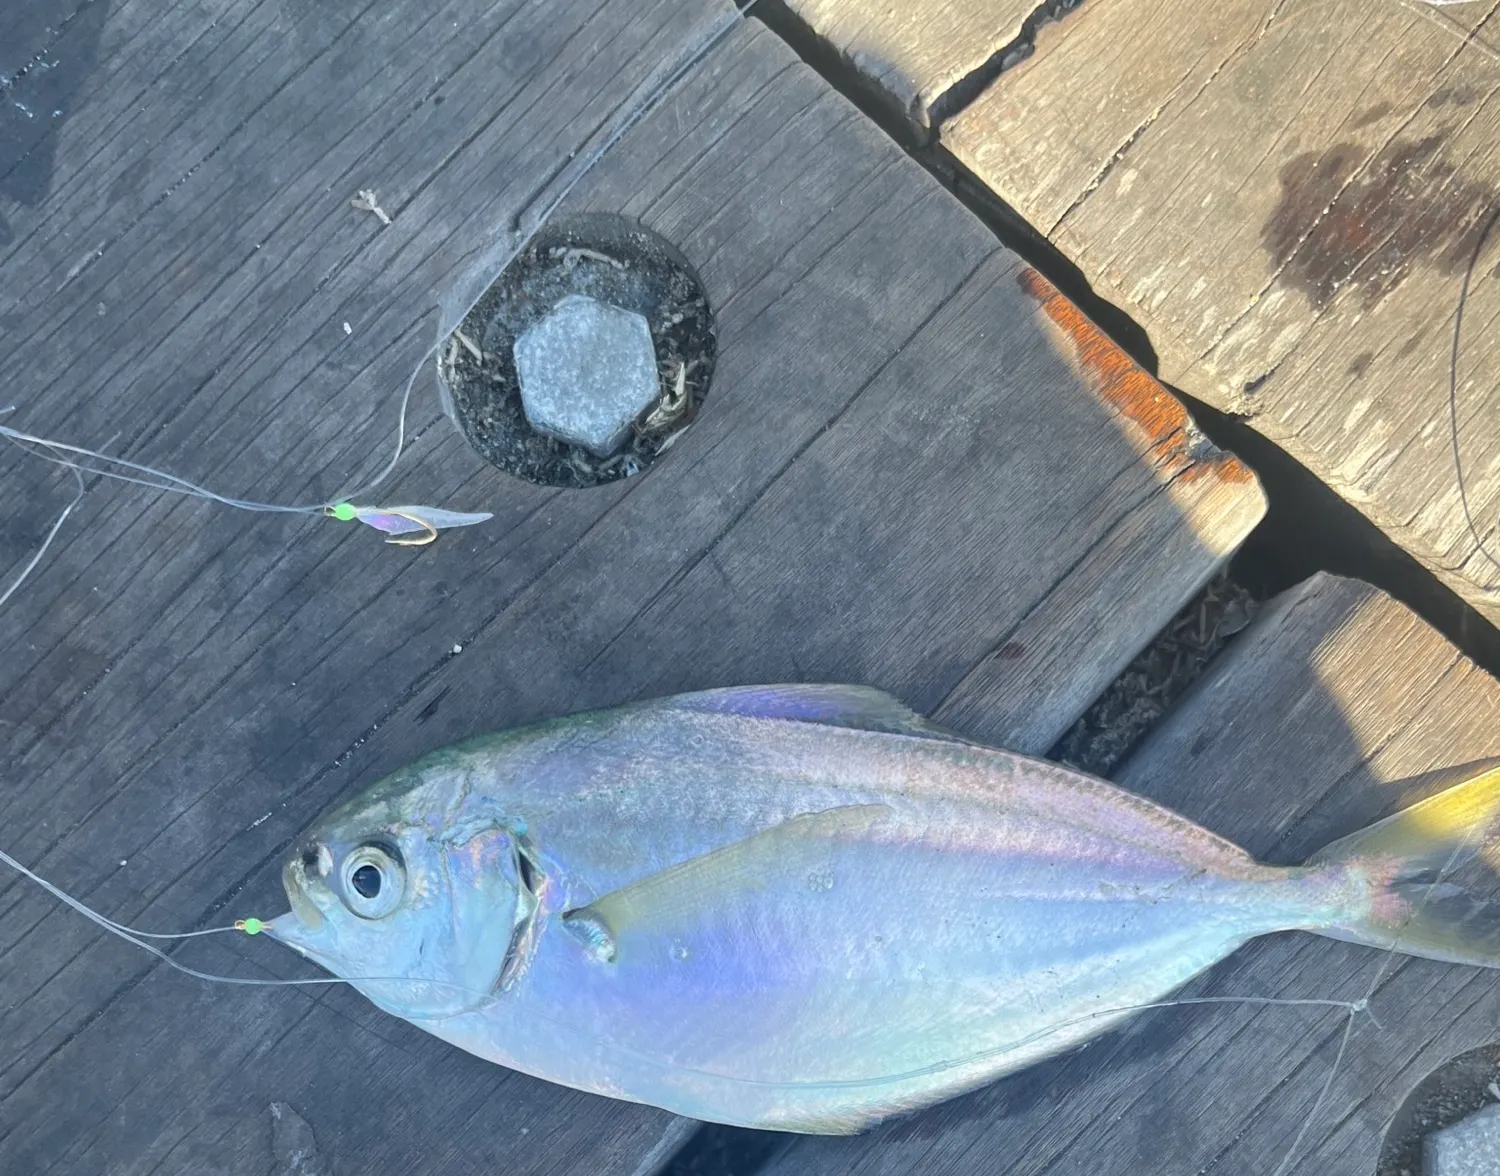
(918, 470)
(1283, 746)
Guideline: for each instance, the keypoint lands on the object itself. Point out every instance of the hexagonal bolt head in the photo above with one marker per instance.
(587, 371)
(1468, 1148)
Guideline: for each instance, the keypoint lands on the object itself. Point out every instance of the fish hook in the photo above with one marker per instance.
(416, 541)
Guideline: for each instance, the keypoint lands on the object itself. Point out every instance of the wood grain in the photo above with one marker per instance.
(913, 54)
(47, 49)
(1286, 198)
(914, 463)
(1300, 733)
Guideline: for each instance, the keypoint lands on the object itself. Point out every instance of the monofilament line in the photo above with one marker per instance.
(637, 105)
(138, 939)
(47, 542)
(1458, 331)
(1386, 957)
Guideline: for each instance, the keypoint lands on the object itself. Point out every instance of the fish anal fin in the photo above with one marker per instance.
(847, 1123)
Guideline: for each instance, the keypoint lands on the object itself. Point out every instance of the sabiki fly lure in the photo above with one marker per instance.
(404, 520)
(393, 520)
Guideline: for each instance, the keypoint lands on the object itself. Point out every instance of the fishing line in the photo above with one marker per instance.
(129, 933)
(250, 926)
(406, 519)
(396, 520)
(153, 478)
(1423, 8)
(47, 542)
(253, 926)
(1469, 37)
(1386, 957)
(1353, 1007)
(1458, 328)
(170, 483)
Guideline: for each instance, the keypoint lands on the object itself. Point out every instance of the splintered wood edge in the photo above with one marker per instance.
(911, 55)
(995, 138)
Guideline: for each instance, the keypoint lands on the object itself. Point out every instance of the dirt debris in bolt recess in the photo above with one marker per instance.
(615, 261)
(1455, 1091)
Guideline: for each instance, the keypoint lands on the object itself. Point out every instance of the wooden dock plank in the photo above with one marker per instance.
(1293, 738)
(914, 54)
(47, 49)
(1287, 203)
(1285, 197)
(184, 688)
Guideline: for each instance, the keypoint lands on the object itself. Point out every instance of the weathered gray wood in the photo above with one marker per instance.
(1286, 198)
(1292, 739)
(47, 49)
(915, 53)
(918, 467)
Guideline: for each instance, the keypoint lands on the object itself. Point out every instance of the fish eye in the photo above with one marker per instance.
(366, 881)
(373, 881)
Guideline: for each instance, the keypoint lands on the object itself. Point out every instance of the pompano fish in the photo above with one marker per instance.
(806, 908)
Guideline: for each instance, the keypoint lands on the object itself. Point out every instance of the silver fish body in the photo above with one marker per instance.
(801, 908)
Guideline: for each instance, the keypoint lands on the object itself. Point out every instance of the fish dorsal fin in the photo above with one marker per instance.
(662, 902)
(861, 708)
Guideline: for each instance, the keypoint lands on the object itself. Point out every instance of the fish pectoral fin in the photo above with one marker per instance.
(862, 708)
(682, 893)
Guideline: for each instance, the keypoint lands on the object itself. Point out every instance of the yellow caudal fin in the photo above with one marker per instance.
(1405, 861)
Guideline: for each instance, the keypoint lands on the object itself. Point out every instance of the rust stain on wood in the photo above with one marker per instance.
(1171, 440)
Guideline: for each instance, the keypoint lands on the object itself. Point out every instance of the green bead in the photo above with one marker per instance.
(254, 926)
(344, 512)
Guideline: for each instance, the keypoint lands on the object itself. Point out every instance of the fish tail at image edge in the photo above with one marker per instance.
(1402, 861)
